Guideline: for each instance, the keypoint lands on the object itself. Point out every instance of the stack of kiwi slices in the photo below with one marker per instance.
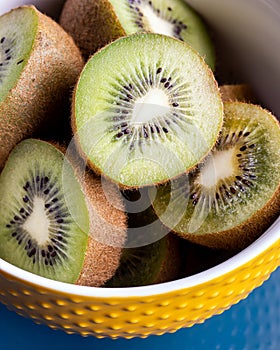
(163, 165)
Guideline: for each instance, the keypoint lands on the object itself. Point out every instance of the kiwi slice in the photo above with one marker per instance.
(142, 116)
(233, 196)
(39, 64)
(157, 262)
(46, 224)
(95, 23)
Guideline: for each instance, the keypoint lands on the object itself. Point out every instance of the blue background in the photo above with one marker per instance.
(252, 324)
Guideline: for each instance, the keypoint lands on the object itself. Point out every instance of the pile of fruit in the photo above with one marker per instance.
(125, 160)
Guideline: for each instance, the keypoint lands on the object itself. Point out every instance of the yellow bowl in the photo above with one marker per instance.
(167, 307)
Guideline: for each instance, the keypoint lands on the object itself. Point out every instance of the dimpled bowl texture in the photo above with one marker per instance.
(167, 307)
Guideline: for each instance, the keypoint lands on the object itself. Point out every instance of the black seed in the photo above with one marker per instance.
(157, 129)
(243, 148)
(14, 234)
(145, 133)
(217, 195)
(232, 190)
(16, 218)
(159, 70)
(247, 182)
(19, 62)
(47, 191)
(12, 222)
(53, 254)
(46, 262)
(252, 145)
(2, 40)
(166, 84)
(27, 185)
(119, 135)
(238, 177)
(50, 248)
(239, 155)
(165, 130)
(8, 58)
(175, 104)
(240, 133)
(193, 195)
(8, 226)
(126, 131)
(169, 8)
(60, 221)
(195, 202)
(252, 176)
(54, 200)
(47, 205)
(246, 134)
(22, 210)
(32, 252)
(163, 80)
(152, 129)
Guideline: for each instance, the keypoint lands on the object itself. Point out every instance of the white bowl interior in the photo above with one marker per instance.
(249, 34)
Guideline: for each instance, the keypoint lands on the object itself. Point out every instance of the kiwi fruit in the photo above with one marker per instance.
(95, 23)
(157, 262)
(39, 65)
(141, 116)
(238, 92)
(232, 197)
(49, 222)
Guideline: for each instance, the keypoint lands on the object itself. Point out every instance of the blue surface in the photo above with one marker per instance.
(253, 324)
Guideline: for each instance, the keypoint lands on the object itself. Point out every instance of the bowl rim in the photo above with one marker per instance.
(259, 246)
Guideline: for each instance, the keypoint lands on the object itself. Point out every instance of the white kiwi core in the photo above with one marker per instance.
(37, 224)
(155, 23)
(218, 167)
(153, 104)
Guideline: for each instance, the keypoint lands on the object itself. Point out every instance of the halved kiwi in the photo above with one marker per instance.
(95, 23)
(140, 115)
(39, 64)
(233, 196)
(48, 221)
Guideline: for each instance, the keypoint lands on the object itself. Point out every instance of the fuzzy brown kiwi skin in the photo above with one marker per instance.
(238, 92)
(45, 82)
(97, 170)
(172, 266)
(92, 24)
(107, 222)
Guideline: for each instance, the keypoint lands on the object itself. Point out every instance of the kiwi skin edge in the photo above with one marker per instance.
(32, 102)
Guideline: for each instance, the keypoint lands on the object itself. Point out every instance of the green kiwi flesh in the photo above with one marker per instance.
(38, 232)
(16, 43)
(95, 23)
(142, 116)
(233, 196)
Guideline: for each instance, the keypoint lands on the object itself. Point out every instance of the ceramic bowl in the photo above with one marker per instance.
(249, 34)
